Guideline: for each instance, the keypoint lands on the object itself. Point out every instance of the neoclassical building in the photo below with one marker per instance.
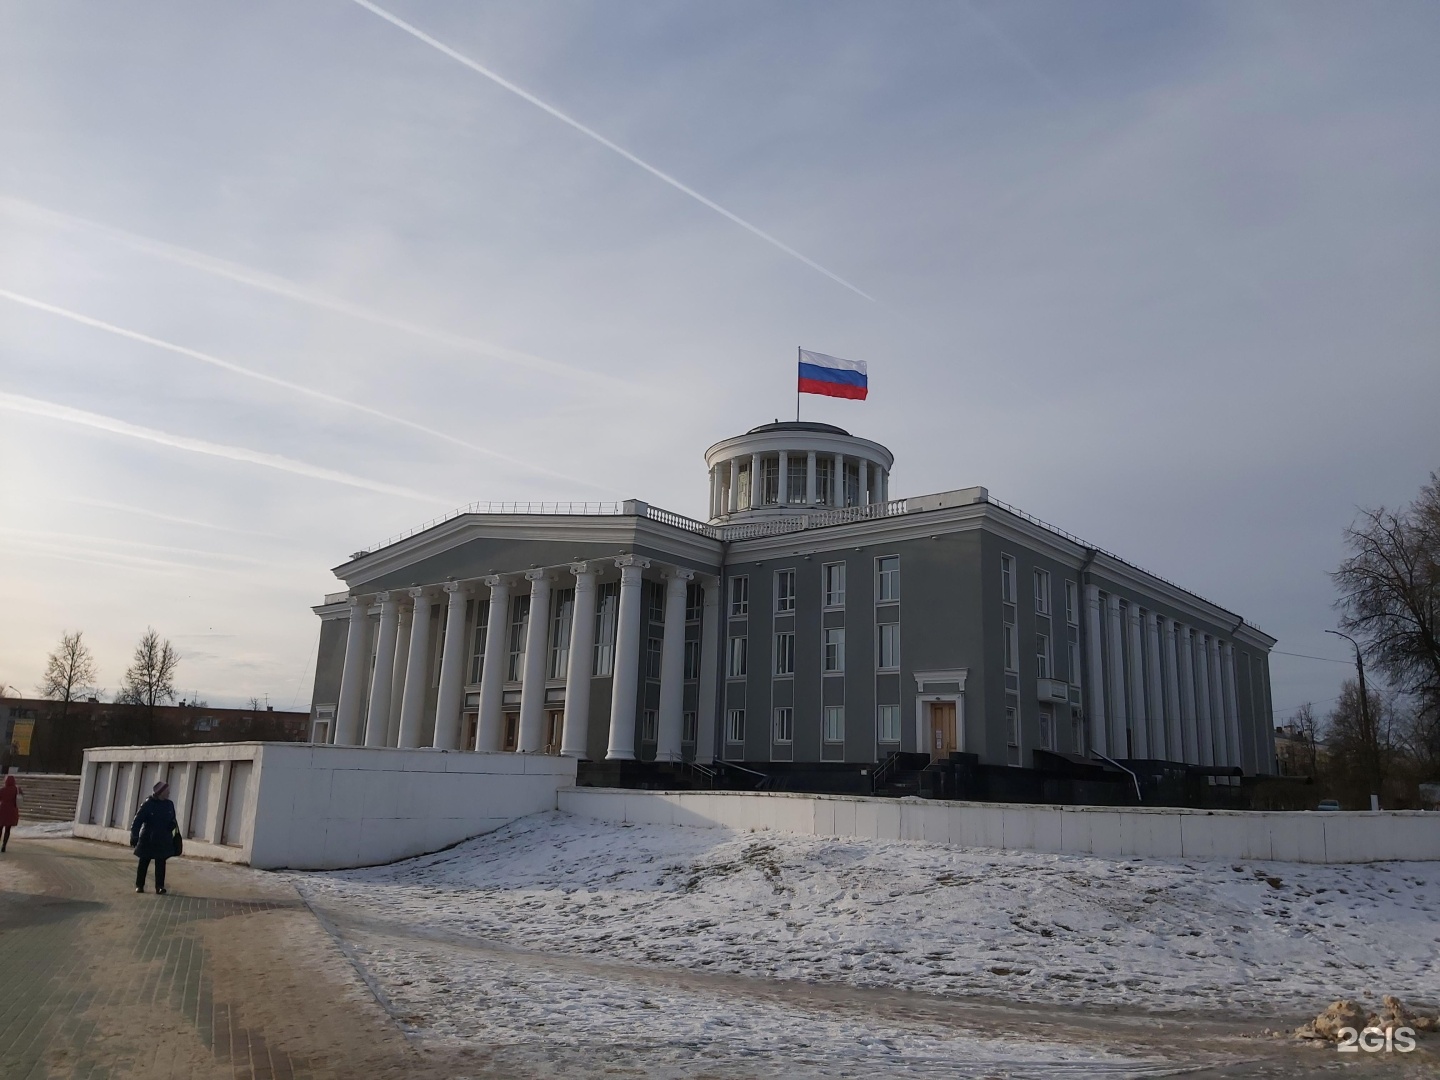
(811, 618)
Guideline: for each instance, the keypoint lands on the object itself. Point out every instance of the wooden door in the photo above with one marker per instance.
(472, 730)
(942, 730)
(555, 727)
(512, 730)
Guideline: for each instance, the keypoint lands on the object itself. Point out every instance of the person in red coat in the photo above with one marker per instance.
(10, 793)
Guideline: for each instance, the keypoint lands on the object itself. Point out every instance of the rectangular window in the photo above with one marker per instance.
(798, 479)
(887, 643)
(784, 591)
(1077, 732)
(519, 627)
(692, 660)
(887, 587)
(649, 725)
(1042, 591)
(653, 651)
(834, 585)
(1012, 725)
(889, 723)
(656, 606)
(735, 726)
(739, 596)
(694, 602)
(1012, 648)
(735, 665)
(482, 629)
(563, 608)
(687, 727)
(784, 725)
(769, 481)
(1074, 672)
(1047, 727)
(834, 650)
(825, 481)
(834, 723)
(1007, 579)
(1072, 604)
(1042, 656)
(785, 654)
(607, 603)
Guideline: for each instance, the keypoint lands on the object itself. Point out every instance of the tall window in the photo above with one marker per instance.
(1077, 731)
(519, 624)
(889, 723)
(735, 726)
(784, 725)
(1012, 725)
(834, 649)
(834, 584)
(825, 481)
(1072, 604)
(887, 643)
(735, 667)
(687, 727)
(769, 481)
(692, 659)
(785, 654)
(797, 479)
(1074, 673)
(784, 591)
(1042, 656)
(563, 608)
(1007, 579)
(888, 575)
(834, 731)
(694, 602)
(656, 605)
(649, 725)
(1012, 649)
(739, 596)
(607, 602)
(482, 630)
(653, 652)
(1042, 591)
(1047, 727)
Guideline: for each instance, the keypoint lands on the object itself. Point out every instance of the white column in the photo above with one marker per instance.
(627, 658)
(710, 639)
(864, 482)
(1204, 734)
(1154, 688)
(1139, 720)
(397, 683)
(885, 485)
(532, 685)
(754, 480)
(1095, 680)
(490, 734)
(574, 739)
(379, 718)
(734, 499)
(1174, 737)
(352, 678)
(1189, 718)
(1217, 703)
(1232, 704)
(783, 480)
(714, 493)
(1119, 747)
(810, 478)
(412, 704)
(837, 482)
(672, 667)
(451, 697)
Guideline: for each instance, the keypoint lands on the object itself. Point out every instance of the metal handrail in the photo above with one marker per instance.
(882, 770)
(1133, 778)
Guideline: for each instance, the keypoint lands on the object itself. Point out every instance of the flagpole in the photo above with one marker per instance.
(797, 384)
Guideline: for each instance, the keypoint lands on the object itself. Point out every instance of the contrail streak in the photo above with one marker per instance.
(51, 411)
(278, 286)
(260, 376)
(499, 80)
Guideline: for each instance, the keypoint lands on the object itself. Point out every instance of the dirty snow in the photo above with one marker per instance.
(39, 829)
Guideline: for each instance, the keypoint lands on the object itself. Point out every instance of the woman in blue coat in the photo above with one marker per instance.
(152, 835)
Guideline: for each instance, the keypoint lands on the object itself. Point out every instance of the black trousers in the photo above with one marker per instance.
(159, 873)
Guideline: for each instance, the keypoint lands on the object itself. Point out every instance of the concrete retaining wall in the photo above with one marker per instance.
(316, 807)
(1163, 833)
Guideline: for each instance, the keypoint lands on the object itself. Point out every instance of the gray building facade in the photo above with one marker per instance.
(811, 618)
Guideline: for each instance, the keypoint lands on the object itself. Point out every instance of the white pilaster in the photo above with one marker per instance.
(1119, 742)
(810, 478)
(710, 639)
(1189, 714)
(352, 677)
(1174, 734)
(1139, 720)
(837, 483)
(1204, 729)
(397, 683)
(782, 485)
(672, 667)
(1095, 681)
(1232, 706)
(412, 704)
(864, 482)
(490, 734)
(451, 696)
(1154, 688)
(379, 718)
(573, 741)
(627, 657)
(1217, 703)
(755, 481)
(734, 499)
(532, 686)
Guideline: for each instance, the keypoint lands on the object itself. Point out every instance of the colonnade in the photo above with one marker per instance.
(725, 482)
(1159, 688)
(392, 712)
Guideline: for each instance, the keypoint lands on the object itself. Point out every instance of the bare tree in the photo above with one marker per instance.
(150, 679)
(1362, 742)
(1306, 727)
(70, 672)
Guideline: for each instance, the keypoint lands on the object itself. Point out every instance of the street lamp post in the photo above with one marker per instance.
(1372, 739)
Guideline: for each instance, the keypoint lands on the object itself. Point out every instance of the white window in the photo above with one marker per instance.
(887, 644)
(692, 659)
(687, 727)
(1047, 727)
(889, 723)
(735, 667)
(1012, 725)
(834, 723)
(657, 601)
(1074, 672)
(784, 725)
(1042, 591)
(482, 630)
(694, 602)
(887, 587)
(607, 602)
(784, 591)
(834, 649)
(1072, 604)
(735, 726)
(563, 611)
(785, 654)
(654, 650)
(769, 481)
(835, 585)
(648, 725)
(739, 596)
(1012, 648)
(1077, 731)
(797, 466)
(1042, 656)
(1007, 579)
(519, 627)
(825, 481)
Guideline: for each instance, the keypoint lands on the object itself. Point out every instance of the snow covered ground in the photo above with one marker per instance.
(587, 934)
(41, 828)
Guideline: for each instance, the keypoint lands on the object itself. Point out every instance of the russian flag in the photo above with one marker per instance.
(832, 376)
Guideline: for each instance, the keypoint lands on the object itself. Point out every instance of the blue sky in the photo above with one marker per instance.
(1163, 274)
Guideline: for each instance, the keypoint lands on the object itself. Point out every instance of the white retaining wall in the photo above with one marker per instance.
(315, 807)
(1164, 833)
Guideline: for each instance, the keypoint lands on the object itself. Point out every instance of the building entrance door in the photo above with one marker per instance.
(471, 728)
(554, 727)
(512, 731)
(942, 730)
